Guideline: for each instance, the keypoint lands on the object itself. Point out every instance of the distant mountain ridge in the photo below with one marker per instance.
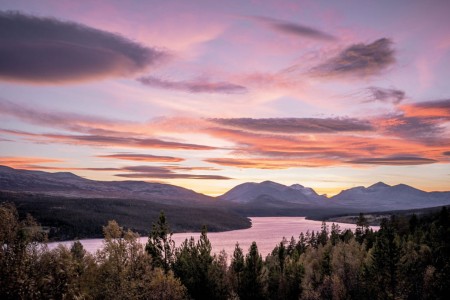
(70, 185)
(264, 197)
(377, 197)
(383, 197)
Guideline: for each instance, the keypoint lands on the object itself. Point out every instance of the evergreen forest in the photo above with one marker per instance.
(407, 258)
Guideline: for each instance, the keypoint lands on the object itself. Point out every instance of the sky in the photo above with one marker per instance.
(210, 94)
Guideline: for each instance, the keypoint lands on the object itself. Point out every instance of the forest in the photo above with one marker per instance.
(407, 258)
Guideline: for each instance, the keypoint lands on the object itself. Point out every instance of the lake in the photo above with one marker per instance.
(266, 231)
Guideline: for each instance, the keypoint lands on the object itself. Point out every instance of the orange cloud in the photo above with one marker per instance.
(267, 163)
(142, 157)
(281, 151)
(393, 160)
(430, 109)
(259, 143)
(25, 162)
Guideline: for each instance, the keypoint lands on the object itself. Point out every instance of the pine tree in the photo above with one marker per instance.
(362, 226)
(160, 245)
(385, 262)
(253, 281)
(237, 268)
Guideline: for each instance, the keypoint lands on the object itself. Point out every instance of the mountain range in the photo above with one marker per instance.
(377, 197)
(383, 197)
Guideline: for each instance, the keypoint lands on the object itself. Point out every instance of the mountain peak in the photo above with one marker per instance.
(268, 182)
(294, 194)
(379, 185)
(297, 186)
(272, 184)
(66, 175)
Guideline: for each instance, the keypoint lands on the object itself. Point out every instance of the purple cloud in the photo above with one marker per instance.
(194, 86)
(47, 50)
(385, 95)
(297, 125)
(422, 129)
(294, 28)
(166, 172)
(359, 60)
(104, 140)
(142, 157)
(393, 160)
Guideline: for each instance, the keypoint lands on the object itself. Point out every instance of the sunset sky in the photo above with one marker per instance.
(210, 94)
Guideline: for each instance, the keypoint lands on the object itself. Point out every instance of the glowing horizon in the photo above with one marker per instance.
(210, 95)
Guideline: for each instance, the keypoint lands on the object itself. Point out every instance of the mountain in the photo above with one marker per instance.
(269, 191)
(70, 185)
(269, 197)
(383, 197)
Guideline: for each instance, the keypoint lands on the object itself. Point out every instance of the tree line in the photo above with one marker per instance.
(407, 258)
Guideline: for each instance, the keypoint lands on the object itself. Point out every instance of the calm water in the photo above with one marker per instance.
(266, 231)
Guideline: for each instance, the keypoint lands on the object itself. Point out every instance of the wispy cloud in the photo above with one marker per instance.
(361, 60)
(47, 50)
(149, 172)
(254, 149)
(297, 125)
(83, 123)
(385, 95)
(94, 130)
(267, 163)
(106, 141)
(134, 142)
(253, 142)
(393, 160)
(295, 29)
(65, 169)
(194, 86)
(25, 162)
(167, 172)
(142, 157)
(172, 176)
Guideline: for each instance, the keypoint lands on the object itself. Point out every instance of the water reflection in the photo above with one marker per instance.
(266, 231)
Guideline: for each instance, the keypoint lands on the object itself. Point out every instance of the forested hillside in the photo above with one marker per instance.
(67, 218)
(408, 258)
